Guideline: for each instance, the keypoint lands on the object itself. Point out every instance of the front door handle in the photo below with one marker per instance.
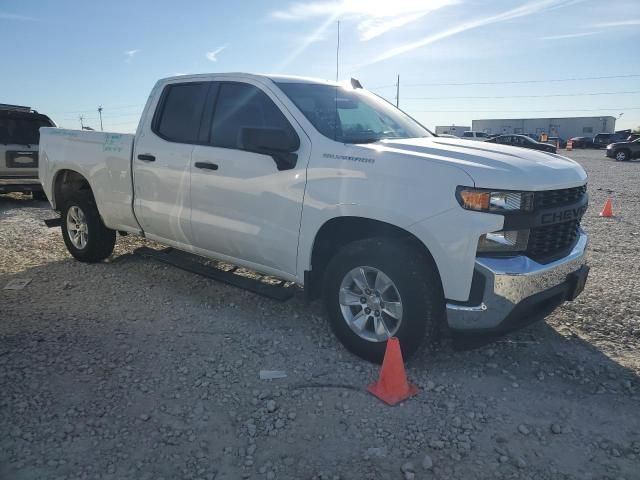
(206, 165)
(145, 157)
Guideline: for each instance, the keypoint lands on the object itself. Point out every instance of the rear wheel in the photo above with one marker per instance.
(84, 234)
(377, 288)
(622, 156)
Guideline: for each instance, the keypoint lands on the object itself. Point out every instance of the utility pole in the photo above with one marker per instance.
(81, 122)
(100, 113)
(338, 51)
(398, 92)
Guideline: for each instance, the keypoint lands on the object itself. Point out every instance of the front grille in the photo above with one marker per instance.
(551, 242)
(557, 198)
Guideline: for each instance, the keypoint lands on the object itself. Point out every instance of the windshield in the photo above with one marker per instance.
(18, 130)
(351, 116)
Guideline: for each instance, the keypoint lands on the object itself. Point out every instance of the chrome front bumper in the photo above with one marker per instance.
(515, 282)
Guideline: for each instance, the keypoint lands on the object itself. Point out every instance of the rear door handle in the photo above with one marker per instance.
(145, 157)
(206, 165)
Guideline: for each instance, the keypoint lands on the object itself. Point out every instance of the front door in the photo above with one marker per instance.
(242, 205)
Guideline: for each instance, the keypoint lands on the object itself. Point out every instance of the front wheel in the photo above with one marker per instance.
(84, 234)
(621, 156)
(378, 288)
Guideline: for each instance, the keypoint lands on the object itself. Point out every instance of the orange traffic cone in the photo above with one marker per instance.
(607, 211)
(569, 145)
(392, 387)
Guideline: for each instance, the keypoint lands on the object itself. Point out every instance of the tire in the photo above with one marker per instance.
(621, 155)
(414, 279)
(39, 196)
(98, 240)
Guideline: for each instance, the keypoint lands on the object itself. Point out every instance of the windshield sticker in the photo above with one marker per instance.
(348, 157)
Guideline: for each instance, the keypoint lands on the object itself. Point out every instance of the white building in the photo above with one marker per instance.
(456, 130)
(554, 127)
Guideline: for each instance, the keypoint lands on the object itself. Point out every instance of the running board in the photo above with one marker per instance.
(266, 286)
(53, 222)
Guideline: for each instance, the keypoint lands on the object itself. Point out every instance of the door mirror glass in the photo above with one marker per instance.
(271, 141)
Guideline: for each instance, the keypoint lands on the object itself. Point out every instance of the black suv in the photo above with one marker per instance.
(19, 138)
(623, 151)
(601, 140)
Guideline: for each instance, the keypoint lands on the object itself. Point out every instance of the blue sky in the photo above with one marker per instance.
(65, 58)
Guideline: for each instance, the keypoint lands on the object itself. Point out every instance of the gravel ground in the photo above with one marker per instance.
(131, 369)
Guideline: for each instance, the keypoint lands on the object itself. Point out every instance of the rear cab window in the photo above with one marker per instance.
(179, 113)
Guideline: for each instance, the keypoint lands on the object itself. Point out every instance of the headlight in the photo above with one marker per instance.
(500, 201)
(510, 241)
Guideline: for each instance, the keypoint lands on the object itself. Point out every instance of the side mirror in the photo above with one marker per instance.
(276, 142)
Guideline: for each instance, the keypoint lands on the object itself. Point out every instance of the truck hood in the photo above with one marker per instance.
(491, 165)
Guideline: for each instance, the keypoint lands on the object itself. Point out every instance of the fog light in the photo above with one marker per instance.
(505, 241)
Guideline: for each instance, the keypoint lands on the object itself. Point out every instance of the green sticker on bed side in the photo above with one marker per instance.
(112, 142)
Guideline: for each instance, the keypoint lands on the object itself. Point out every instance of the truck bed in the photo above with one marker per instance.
(103, 158)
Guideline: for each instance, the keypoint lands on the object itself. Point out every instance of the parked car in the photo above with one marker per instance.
(624, 151)
(19, 138)
(601, 140)
(401, 232)
(446, 135)
(473, 135)
(582, 142)
(559, 142)
(523, 141)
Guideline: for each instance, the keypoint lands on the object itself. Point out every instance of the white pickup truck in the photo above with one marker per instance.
(327, 185)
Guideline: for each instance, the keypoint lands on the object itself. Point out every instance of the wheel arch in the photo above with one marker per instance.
(66, 182)
(337, 232)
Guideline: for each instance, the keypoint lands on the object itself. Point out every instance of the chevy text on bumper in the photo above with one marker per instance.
(519, 290)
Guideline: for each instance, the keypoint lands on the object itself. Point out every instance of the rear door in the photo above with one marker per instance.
(162, 162)
(243, 206)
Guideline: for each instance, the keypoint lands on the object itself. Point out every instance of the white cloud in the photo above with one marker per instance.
(571, 35)
(373, 17)
(212, 55)
(524, 10)
(129, 54)
(15, 16)
(621, 23)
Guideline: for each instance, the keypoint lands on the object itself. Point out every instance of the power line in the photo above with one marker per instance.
(509, 82)
(106, 117)
(120, 107)
(528, 96)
